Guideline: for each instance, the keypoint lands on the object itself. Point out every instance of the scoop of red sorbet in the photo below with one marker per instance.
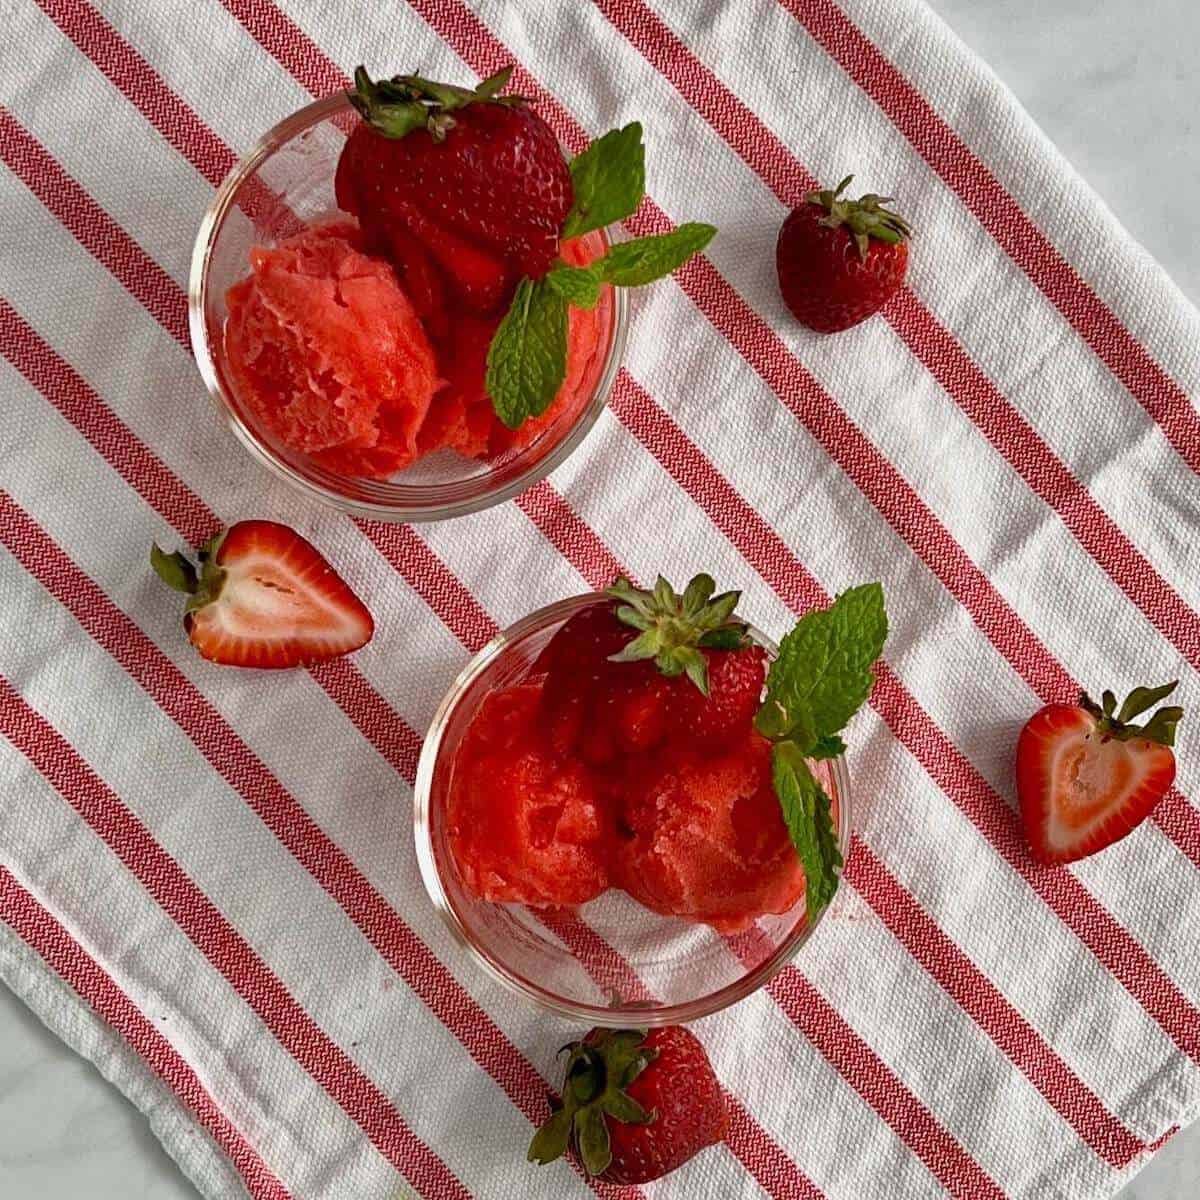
(523, 825)
(325, 350)
(704, 838)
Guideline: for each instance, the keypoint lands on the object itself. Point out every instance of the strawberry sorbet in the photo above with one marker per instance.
(524, 825)
(325, 351)
(691, 836)
(705, 839)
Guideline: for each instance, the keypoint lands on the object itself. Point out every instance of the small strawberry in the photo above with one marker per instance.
(623, 677)
(579, 678)
(1086, 777)
(635, 1105)
(839, 261)
(264, 597)
(462, 187)
(735, 684)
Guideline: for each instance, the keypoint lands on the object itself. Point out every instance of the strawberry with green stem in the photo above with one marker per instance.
(713, 695)
(635, 1105)
(839, 260)
(467, 192)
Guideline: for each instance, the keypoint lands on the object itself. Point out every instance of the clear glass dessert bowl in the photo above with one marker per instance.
(284, 184)
(611, 961)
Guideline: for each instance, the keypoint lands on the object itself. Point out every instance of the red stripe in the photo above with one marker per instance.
(62, 954)
(950, 769)
(129, 72)
(874, 1080)
(278, 809)
(434, 582)
(570, 535)
(999, 420)
(975, 993)
(192, 910)
(999, 213)
(95, 230)
(115, 442)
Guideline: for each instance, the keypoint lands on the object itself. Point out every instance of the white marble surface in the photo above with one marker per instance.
(1114, 84)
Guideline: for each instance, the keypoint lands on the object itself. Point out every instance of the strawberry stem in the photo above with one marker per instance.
(672, 628)
(1161, 726)
(864, 218)
(395, 107)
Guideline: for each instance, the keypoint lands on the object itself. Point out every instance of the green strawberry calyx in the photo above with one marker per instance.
(864, 218)
(202, 587)
(672, 627)
(599, 1070)
(395, 107)
(1159, 728)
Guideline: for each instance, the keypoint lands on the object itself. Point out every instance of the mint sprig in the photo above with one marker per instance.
(823, 671)
(817, 682)
(527, 359)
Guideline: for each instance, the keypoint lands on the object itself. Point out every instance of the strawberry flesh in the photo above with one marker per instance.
(1080, 789)
(280, 604)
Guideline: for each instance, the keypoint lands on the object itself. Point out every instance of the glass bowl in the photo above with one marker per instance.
(286, 182)
(611, 961)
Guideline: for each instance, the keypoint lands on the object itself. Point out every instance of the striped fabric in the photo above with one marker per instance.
(207, 880)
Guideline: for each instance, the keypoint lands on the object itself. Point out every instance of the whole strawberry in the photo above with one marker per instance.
(840, 261)
(635, 1105)
(652, 666)
(464, 190)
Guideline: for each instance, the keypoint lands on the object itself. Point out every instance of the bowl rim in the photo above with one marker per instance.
(598, 1014)
(446, 501)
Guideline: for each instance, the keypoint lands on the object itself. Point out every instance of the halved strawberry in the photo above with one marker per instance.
(1086, 777)
(265, 597)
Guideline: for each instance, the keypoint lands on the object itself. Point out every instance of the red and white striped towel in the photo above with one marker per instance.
(208, 883)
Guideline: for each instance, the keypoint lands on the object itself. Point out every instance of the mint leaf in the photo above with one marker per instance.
(609, 179)
(527, 360)
(579, 286)
(823, 671)
(830, 746)
(643, 260)
(808, 814)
